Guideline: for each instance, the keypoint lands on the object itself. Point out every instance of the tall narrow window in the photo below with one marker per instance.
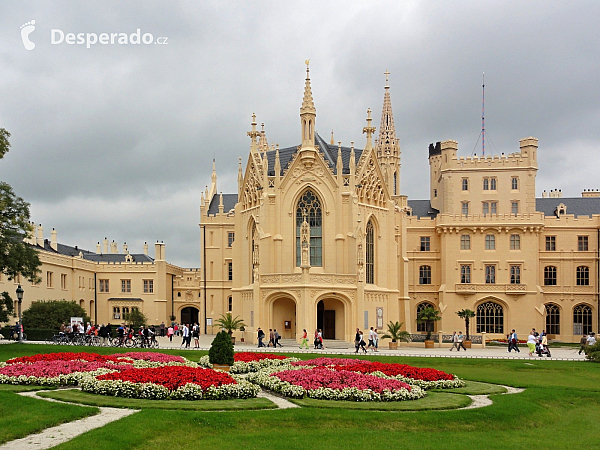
(486, 184)
(395, 183)
(490, 242)
(230, 238)
(582, 320)
(126, 286)
(465, 184)
(425, 243)
(550, 276)
(63, 281)
(254, 262)
(486, 208)
(465, 208)
(370, 254)
(116, 312)
(425, 275)
(310, 203)
(515, 274)
(515, 242)
(583, 276)
(490, 274)
(148, 286)
(493, 182)
(493, 207)
(550, 243)
(582, 243)
(514, 183)
(229, 304)
(514, 208)
(465, 242)
(465, 273)
(229, 270)
(552, 319)
(422, 326)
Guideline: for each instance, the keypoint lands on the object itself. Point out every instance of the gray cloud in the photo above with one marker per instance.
(118, 141)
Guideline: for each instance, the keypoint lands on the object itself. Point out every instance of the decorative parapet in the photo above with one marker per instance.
(472, 288)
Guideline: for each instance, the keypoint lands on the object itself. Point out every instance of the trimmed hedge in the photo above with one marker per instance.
(33, 334)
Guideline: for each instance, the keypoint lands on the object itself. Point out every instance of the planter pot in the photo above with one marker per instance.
(221, 367)
(467, 344)
(393, 345)
(429, 344)
(242, 340)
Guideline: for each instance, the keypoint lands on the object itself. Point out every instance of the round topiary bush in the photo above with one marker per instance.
(221, 349)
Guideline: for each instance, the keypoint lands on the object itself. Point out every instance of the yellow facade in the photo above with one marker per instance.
(318, 235)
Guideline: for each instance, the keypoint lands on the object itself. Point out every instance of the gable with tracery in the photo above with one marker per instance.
(370, 188)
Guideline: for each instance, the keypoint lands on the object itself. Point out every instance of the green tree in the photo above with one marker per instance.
(428, 316)
(135, 318)
(51, 314)
(6, 307)
(221, 349)
(466, 314)
(16, 256)
(395, 334)
(228, 322)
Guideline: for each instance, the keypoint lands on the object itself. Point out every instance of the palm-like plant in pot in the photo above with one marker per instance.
(230, 323)
(466, 314)
(428, 316)
(395, 334)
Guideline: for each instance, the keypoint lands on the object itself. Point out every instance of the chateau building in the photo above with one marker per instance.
(319, 235)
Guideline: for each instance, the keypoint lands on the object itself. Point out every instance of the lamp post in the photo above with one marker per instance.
(20, 298)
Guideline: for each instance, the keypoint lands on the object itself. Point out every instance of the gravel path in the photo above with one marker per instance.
(481, 401)
(51, 437)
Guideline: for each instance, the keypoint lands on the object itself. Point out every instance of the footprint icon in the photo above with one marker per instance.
(26, 30)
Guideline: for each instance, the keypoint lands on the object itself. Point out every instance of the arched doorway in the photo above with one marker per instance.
(284, 317)
(189, 315)
(331, 318)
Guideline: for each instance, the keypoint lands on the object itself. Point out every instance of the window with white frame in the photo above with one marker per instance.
(490, 242)
(515, 242)
(465, 242)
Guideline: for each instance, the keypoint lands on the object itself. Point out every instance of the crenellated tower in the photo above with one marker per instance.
(387, 145)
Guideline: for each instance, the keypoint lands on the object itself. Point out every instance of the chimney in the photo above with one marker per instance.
(53, 241)
(159, 251)
(125, 250)
(544, 194)
(40, 236)
(98, 248)
(105, 246)
(145, 248)
(113, 247)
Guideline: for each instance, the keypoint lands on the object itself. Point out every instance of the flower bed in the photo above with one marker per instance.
(68, 368)
(328, 384)
(423, 377)
(169, 382)
(245, 362)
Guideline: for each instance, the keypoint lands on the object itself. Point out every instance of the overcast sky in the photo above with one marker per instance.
(117, 141)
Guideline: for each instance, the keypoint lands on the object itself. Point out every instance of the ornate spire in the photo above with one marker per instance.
(332, 141)
(308, 106)
(253, 134)
(369, 130)
(263, 145)
(387, 142)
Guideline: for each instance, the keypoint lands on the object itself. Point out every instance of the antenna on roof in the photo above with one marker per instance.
(483, 115)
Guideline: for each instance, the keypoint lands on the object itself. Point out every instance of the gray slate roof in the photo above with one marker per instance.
(67, 250)
(229, 201)
(422, 208)
(577, 206)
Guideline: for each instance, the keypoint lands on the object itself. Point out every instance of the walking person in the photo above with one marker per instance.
(513, 341)
(371, 344)
(260, 335)
(185, 331)
(357, 340)
(316, 341)
(531, 342)
(582, 343)
(162, 329)
(304, 339)
(271, 338)
(170, 333)
(362, 343)
(196, 335)
(375, 340)
(276, 336)
(454, 341)
(320, 337)
(461, 339)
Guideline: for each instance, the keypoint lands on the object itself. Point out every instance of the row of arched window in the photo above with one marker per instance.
(490, 318)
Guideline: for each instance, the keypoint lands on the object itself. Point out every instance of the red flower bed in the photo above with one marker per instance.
(172, 377)
(250, 356)
(393, 370)
(95, 357)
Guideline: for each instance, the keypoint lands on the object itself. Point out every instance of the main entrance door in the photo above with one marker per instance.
(189, 315)
(326, 320)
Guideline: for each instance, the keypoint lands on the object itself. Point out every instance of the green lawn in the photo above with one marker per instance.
(557, 410)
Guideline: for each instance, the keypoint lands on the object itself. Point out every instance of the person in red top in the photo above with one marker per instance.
(304, 339)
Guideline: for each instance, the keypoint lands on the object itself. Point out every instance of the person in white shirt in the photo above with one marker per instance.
(185, 332)
(531, 343)
(591, 340)
(375, 340)
(371, 343)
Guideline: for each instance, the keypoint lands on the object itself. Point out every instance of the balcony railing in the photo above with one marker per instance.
(473, 288)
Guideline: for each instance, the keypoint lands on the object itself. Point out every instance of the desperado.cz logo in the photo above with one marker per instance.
(58, 37)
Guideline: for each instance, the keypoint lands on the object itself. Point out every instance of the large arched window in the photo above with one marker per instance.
(552, 319)
(310, 204)
(422, 327)
(254, 261)
(395, 183)
(582, 320)
(490, 318)
(370, 253)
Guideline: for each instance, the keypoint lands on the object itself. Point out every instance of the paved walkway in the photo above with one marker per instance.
(347, 348)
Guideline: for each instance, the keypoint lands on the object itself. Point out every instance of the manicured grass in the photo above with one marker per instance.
(76, 396)
(434, 400)
(557, 410)
(475, 388)
(21, 416)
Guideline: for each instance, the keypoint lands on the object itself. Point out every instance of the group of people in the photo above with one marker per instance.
(274, 338)
(360, 344)
(457, 341)
(538, 343)
(587, 341)
(187, 332)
